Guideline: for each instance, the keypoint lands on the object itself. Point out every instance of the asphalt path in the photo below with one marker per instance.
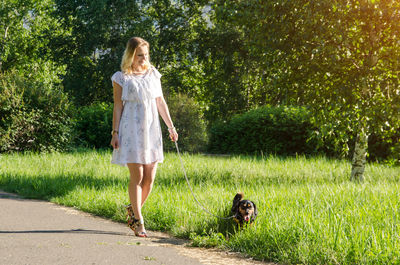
(39, 232)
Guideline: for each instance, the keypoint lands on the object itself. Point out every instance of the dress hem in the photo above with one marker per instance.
(124, 164)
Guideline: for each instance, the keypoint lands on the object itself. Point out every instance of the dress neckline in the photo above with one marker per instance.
(141, 75)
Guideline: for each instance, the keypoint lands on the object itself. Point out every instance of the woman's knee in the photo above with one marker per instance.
(147, 181)
(136, 181)
(136, 173)
(149, 173)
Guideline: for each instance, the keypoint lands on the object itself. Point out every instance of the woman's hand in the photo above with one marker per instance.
(115, 141)
(173, 135)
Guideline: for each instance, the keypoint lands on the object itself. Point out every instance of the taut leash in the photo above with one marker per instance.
(190, 187)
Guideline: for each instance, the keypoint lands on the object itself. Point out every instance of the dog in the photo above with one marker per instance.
(243, 211)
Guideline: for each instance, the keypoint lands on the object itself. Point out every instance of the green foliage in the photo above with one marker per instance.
(338, 58)
(292, 130)
(268, 130)
(207, 239)
(94, 124)
(232, 80)
(190, 124)
(93, 58)
(28, 32)
(34, 112)
(382, 147)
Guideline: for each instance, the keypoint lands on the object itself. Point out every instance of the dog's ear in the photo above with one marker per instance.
(236, 200)
(255, 211)
(239, 196)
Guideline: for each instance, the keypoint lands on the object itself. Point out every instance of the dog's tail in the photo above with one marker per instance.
(238, 197)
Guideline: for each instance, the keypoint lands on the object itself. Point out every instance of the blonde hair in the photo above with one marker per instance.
(130, 52)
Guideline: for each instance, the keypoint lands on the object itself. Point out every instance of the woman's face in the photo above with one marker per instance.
(141, 56)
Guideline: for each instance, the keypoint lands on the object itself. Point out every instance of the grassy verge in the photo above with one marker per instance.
(309, 213)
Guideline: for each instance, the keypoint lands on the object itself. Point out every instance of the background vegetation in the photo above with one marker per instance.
(34, 115)
(339, 60)
(266, 130)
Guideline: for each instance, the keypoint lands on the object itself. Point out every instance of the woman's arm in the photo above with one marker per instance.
(164, 112)
(117, 112)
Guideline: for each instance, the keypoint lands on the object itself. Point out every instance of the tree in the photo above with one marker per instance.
(340, 58)
(26, 31)
(34, 110)
(231, 78)
(99, 30)
(171, 27)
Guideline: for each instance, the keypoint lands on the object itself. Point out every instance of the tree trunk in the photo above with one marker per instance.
(359, 156)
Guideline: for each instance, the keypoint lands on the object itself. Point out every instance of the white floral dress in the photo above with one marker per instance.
(139, 135)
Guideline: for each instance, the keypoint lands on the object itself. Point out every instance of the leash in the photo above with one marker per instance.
(190, 187)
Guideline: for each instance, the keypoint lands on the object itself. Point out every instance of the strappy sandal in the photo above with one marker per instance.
(134, 223)
(130, 217)
(138, 223)
(130, 214)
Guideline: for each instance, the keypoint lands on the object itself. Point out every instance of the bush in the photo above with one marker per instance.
(190, 124)
(35, 113)
(94, 124)
(384, 147)
(267, 130)
(291, 130)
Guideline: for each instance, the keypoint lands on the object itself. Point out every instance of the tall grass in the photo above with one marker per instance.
(309, 212)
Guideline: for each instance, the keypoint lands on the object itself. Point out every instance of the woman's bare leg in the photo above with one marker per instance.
(140, 185)
(149, 174)
(135, 191)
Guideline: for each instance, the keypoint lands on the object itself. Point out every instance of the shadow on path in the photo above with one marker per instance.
(71, 231)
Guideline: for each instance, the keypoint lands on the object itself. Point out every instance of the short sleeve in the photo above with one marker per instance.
(118, 78)
(156, 73)
(157, 92)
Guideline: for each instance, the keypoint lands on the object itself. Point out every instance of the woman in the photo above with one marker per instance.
(136, 134)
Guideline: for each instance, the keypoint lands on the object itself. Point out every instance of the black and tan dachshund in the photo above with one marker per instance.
(243, 211)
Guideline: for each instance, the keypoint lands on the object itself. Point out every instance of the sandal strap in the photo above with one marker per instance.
(141, 234)
(138, 222)
(135, 223)
(131, 215)
(129, 209)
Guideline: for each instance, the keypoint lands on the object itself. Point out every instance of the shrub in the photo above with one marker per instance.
(94, 124)
(291, 130)
(35, 113)
(276, 130)
(190, 124)
(383, 147)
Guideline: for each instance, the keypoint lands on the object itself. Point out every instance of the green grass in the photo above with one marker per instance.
(309, 212)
